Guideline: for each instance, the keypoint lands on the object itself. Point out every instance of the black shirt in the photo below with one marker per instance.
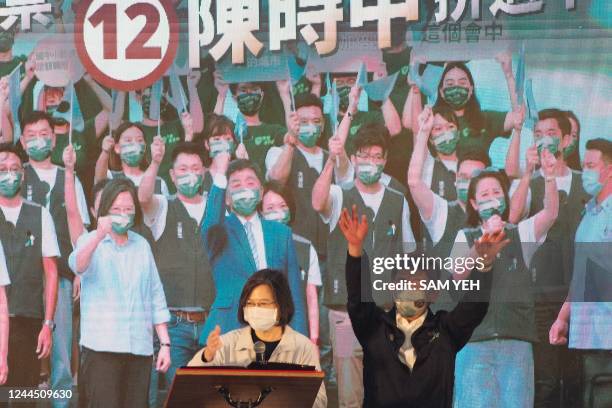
(270, 345)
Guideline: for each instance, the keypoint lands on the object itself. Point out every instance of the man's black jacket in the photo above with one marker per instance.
(387, 381)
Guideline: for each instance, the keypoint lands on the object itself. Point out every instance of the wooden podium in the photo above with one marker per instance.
(222, 387)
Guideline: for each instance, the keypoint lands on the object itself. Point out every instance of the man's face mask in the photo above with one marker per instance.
(590, 182)
(10, 183)
(249, 103)
(281, 216)
(446, 143)
(221, 146)
(489, 208)
(456, 96)
(132, 153)
(309, 134)
(462, 186)
(410, 303)
(549, 143)
(38, 148)
(369, 173)
(343, 96)
(245, 201)
(121, 223)
(189, 184)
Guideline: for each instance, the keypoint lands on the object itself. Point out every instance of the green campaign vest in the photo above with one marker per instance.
(511, 305)
(183, 265)
(36, 190)
(23, 250)
(384, 239)
(302, 251)
(121, 175)
(307, 221)
(552, 264)
(443, 181)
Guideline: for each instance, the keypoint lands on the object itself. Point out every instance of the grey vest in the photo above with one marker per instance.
(23, 250)
(36, 190)
(121, 175)
(511, 306)
(384, 239)
(443, 181)
(552, 264)
(307, 221)
(302, 251)
(183, 265)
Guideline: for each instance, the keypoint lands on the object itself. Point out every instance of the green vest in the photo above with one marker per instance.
(183, 265)
(552, 264)
(121, 175)
(384, 239)
(307, 221)
(443, 181)
(23, 250)
(511, 305)
(36, 190)
(302, 251)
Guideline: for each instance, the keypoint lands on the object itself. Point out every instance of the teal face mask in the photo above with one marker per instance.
(446, 143)
(38, 148)
(369, 173)
(282, 216)
(569, 149)
(221, 146)
(590, 182)
(10, 182)
(132, 153)
(189, 184)
(121, 223)
(456, 96)
(488, 208)
(462, 186)
(245, 201)
(309, 134)
(549, 143)
(249, 103)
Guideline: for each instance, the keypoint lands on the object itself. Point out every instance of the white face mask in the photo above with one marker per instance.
(260, 318)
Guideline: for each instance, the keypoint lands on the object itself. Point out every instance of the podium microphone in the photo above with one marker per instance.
(260, 351)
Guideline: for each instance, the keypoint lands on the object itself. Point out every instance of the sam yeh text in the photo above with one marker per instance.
(426, 285)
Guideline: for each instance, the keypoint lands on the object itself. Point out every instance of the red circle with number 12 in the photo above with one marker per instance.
(126, 45)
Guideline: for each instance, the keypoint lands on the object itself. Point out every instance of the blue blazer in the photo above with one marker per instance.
(235, 264)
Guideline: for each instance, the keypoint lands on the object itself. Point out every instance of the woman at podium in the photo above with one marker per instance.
(265, 308)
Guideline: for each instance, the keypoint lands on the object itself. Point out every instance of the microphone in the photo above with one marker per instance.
(260, 351)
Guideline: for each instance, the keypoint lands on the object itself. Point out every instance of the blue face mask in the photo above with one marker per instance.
(590, 182)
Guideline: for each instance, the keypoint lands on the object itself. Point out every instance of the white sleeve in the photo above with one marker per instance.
(82, 202)
(348, 177)
(164, 188)
(511, 192)
(109, 174)
(4, 276)
(335, 195)
(157, 222)
(436, 225)
(408, 241)
(50, 247)
(271, 158)
(527, 235)
(314, 270)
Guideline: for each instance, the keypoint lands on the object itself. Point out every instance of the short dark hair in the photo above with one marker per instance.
(559, 116)
(35, 117)
(284, 192)
(473, 218)
(372, 134)
(10, 148)
(308, 99)
(188, 148)
(234, 87)
(243, 164)
(217, 125)
(601, 145)
(277, 281)
(110, 193)
(472, 153)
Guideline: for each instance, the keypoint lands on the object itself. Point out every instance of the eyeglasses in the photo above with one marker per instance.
(264, 303)
(375, 157)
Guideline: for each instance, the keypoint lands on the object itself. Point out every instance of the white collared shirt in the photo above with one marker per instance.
(407, 354)
(260, 262)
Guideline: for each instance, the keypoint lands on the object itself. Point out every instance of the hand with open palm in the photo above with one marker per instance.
(354, 230)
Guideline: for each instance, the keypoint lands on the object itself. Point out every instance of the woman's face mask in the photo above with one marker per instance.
(456, 96)
(132, 153)
(489, 208)
(221, 146)
(570, 148)
(260, 318)
(282, 216)
(245, 201)
(462, 186)
(121, 223)
(249, 103)
(446, 143)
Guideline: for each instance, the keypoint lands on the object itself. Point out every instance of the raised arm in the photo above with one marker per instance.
(6, 127)
(101, 171)
(505, 61)
(146, 189)
(513, 168)
(412, 109)
(80, 258)
(337, 154)
(547, 216)
(284, 91)
(315, 80)
(195, 105)
(76, 228)
(321, 201)
(103, 117)
(392, 119)
(421, 193)
(222, 88)
(116, 116)
(345, 124)
(282, 168)
(518, 201)
(215, 205)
